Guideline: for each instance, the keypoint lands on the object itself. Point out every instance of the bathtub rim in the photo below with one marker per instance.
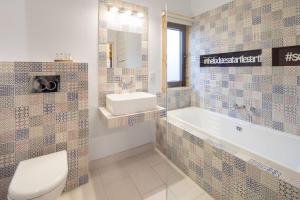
(243, 122)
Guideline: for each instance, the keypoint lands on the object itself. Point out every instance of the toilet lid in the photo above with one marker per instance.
(38, 176)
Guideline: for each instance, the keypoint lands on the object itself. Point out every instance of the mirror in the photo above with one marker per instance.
(124, 49)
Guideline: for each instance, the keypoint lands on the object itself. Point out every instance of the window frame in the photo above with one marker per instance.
(181, 28)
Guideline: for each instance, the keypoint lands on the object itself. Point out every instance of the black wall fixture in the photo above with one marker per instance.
(232, 59)
(46, 84)
(286, 56)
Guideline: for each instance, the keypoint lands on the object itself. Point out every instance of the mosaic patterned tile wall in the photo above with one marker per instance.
(246, 25)
(175, 98)
(32, 125)
(118, 80)
(224, 174)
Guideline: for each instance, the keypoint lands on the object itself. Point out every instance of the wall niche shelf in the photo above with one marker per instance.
(128, 120)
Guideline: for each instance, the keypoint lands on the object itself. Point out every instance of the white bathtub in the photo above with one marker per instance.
(281, 148)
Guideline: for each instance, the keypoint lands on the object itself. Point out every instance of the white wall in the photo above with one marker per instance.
(182, 7)
(13, 43)
(200, 6)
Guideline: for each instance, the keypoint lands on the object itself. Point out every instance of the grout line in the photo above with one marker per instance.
(136, 187)
(102, 185)
(152, 167)
(165, 182)
(128, 177)
(172, 164)
(182, 173)
(163, 185)
(132, 180)
(148, 164)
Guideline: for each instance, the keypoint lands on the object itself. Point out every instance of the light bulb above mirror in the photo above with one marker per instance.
(128, 12)
(115, 9)
(140, 14)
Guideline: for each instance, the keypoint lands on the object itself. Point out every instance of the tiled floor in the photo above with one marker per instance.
(141, 177)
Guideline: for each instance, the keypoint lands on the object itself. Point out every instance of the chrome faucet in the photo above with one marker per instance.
(124, 84)
(237, 107)
(254, 111)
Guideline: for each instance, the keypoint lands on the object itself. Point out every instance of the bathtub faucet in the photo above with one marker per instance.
(237, 107)
(254, 111)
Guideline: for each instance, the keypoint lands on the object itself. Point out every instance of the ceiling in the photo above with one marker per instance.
(200, 6)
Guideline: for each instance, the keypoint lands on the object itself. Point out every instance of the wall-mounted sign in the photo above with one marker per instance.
(232, 59)
(286, 56)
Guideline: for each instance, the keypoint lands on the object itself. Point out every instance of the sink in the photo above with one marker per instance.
(128, 103)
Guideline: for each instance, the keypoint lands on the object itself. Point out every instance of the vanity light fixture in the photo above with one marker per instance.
(140, 14)
(128, 12)
(114, 9)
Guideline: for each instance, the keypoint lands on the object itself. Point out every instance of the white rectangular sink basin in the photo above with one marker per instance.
(128, 103)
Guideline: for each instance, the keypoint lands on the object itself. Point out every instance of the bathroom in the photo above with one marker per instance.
(152, 100)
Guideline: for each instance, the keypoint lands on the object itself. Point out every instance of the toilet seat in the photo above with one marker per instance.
(38, 176)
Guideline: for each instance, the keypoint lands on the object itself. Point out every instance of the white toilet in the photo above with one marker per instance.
(41, 178)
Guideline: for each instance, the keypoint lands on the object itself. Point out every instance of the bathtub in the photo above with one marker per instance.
(280, 148)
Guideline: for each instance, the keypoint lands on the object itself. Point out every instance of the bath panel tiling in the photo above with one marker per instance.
(222, 170)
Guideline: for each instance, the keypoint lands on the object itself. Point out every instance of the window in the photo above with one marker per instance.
(176, 47)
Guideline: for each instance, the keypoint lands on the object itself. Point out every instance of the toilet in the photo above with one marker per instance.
(40, 178)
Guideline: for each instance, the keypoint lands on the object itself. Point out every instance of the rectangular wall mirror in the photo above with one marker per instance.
(124, 49)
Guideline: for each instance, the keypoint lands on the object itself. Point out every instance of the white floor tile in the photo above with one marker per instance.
(145, 178)
(93, 190)
(123, 189)
(170, 195)
(112, 172)
(141, 177)
(157, 194)
(204, 197)
(167, 173)
(153, 158)
(185, 190)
